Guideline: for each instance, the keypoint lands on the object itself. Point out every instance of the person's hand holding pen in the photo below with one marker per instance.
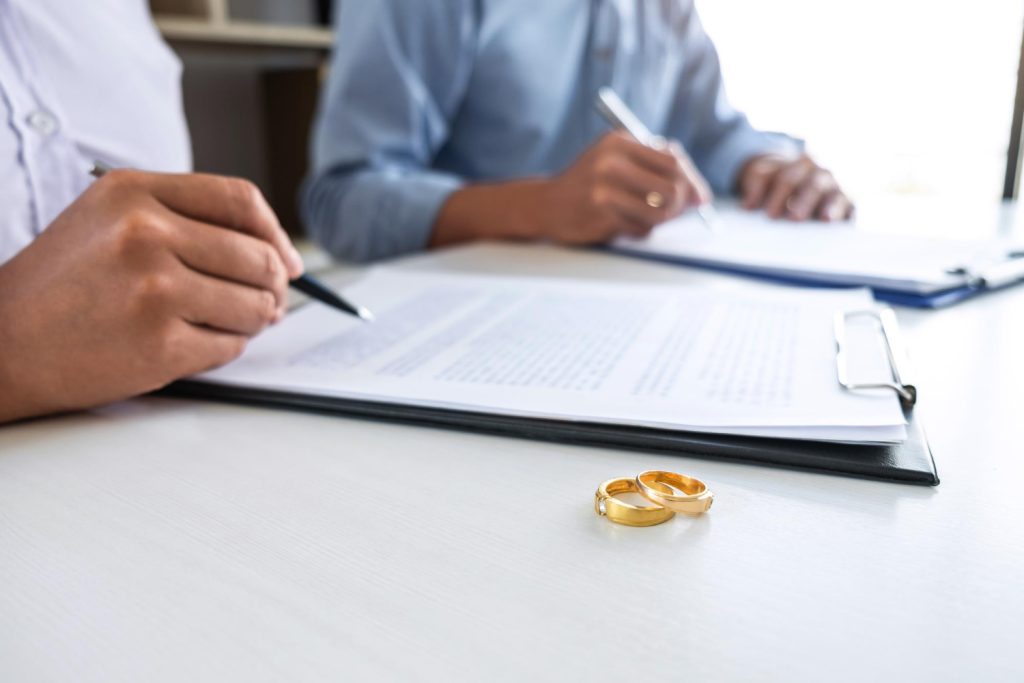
(617, 187)
(625, 184)
(622, 187)
(144, 279)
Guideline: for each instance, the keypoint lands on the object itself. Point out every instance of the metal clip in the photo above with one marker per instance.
(894, 349)
(995, 275)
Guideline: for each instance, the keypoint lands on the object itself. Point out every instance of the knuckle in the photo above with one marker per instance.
(790, 176)
(138, 228)
(756, 181)
(605, 166)
(154, 288)
(754, 171)
(170, 346)
(245, 195)
(245, 190)
(133, 227)
(764, 166)
(601, 198)
(273, 269)
(611, 140)
(266, 306)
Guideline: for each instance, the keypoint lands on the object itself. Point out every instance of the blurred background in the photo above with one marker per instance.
(896, 96)
(903, 99)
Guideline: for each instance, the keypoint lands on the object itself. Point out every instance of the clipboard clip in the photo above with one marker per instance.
(894, 350)
(994, 276)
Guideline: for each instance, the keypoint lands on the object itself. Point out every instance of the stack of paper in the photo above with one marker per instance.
(827, 254)
(758, 363)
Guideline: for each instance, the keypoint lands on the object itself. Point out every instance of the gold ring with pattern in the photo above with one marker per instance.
(695, 499)
(607, 505)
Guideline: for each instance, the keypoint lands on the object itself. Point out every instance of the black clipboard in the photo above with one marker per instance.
(909, 462)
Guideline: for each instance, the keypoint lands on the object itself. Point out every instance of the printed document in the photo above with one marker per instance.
(756, 362)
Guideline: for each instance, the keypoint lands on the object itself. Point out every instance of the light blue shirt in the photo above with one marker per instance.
(426, 95)
(80, 81)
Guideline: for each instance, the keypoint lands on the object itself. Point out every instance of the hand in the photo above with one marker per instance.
(621, 187)
(146, 278)
(795, 188)
(617, 187)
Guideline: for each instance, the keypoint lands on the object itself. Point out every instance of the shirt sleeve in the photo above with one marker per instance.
(399, 71)
(718, 138)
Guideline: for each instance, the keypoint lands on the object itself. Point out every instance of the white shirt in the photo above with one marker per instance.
(80, 81)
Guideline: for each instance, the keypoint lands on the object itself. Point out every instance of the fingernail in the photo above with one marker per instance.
(279, 315)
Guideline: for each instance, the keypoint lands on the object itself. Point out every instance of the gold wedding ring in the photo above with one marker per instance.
(695, 499)
(607, 505)
(655, 200)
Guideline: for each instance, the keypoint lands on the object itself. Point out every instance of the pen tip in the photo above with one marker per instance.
(366, 315)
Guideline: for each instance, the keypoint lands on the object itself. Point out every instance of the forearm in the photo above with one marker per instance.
(16, 399)
(10, 392)
(514, 210)
(16, 394)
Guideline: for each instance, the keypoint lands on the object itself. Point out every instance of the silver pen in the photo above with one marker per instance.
(620, 116)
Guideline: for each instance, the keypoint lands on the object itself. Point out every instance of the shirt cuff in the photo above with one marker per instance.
(405, 210)
(375, 215)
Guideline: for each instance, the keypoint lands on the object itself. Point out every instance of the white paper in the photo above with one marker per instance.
(838, 253)
(756, 363)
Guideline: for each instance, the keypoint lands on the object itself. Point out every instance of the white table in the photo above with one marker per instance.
(170, 540)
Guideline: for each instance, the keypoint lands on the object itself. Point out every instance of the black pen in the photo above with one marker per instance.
(306, 284)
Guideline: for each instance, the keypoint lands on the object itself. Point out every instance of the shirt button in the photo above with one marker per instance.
(43, 122)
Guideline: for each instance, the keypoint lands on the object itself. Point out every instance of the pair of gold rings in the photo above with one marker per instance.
(668, 492)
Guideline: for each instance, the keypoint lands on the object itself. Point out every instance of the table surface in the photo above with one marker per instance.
(160, 539)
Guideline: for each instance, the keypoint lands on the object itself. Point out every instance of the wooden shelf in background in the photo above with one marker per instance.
(242, 33)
